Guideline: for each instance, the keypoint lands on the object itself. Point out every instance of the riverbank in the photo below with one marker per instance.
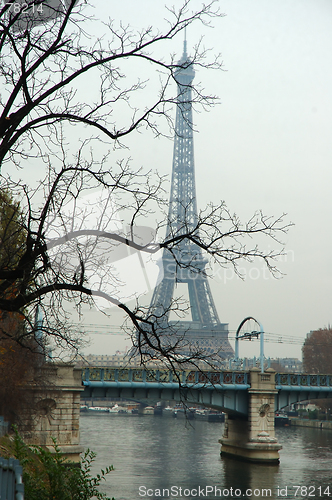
(317, 424)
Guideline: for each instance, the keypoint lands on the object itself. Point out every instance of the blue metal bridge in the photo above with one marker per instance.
(224, 390)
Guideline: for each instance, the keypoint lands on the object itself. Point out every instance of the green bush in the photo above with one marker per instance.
(313, 414)
(49, 476)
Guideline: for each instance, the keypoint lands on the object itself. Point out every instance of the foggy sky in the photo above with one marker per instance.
(267, 146)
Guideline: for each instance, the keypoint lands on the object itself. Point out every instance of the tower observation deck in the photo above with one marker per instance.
(186, 264)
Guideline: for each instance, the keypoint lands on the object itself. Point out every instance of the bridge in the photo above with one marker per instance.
(249, 398)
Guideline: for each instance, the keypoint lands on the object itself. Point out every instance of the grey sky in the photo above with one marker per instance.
(267, 146)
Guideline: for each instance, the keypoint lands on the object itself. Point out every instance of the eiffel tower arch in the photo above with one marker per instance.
(204, 330)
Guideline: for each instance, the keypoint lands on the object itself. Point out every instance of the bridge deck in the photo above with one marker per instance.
(225, 390)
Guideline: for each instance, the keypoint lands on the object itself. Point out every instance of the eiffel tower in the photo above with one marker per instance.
(204, 330)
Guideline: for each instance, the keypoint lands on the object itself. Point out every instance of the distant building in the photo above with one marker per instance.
(292, 365)
(104, 360)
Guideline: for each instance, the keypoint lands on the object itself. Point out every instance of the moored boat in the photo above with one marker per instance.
(168, 411)
(281, 419)
(188, 413)
(97, 409)
(209, 415)
(148, 410)
(158, 410)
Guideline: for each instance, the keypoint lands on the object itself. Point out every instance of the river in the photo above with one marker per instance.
(164, 458)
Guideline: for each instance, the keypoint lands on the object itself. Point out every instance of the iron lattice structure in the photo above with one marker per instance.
(186, 264)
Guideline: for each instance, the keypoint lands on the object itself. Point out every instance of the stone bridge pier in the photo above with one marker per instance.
(253, 438)
(56, 410)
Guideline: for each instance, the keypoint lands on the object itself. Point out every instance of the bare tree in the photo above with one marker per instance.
(317, 351)
(43, 64)
(70, 247)
(73, 243)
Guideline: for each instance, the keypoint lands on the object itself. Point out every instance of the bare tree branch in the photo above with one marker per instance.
(62, 241)
(72, 244)
(40, 78)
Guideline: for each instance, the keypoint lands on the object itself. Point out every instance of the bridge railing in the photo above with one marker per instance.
(150, 376)
(11, 483)
(241, 379)
(303, 380)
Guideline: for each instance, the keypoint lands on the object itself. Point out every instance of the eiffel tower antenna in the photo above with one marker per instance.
(205, 329)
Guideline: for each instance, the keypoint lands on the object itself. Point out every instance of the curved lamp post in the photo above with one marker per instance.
(249, 335)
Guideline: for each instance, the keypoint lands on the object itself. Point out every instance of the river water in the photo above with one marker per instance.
(163, 458)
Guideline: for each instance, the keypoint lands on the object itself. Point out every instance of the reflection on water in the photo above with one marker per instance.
(159, 453)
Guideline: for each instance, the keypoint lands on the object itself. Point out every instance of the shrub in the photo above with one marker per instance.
(313, 415)
(49, 476)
